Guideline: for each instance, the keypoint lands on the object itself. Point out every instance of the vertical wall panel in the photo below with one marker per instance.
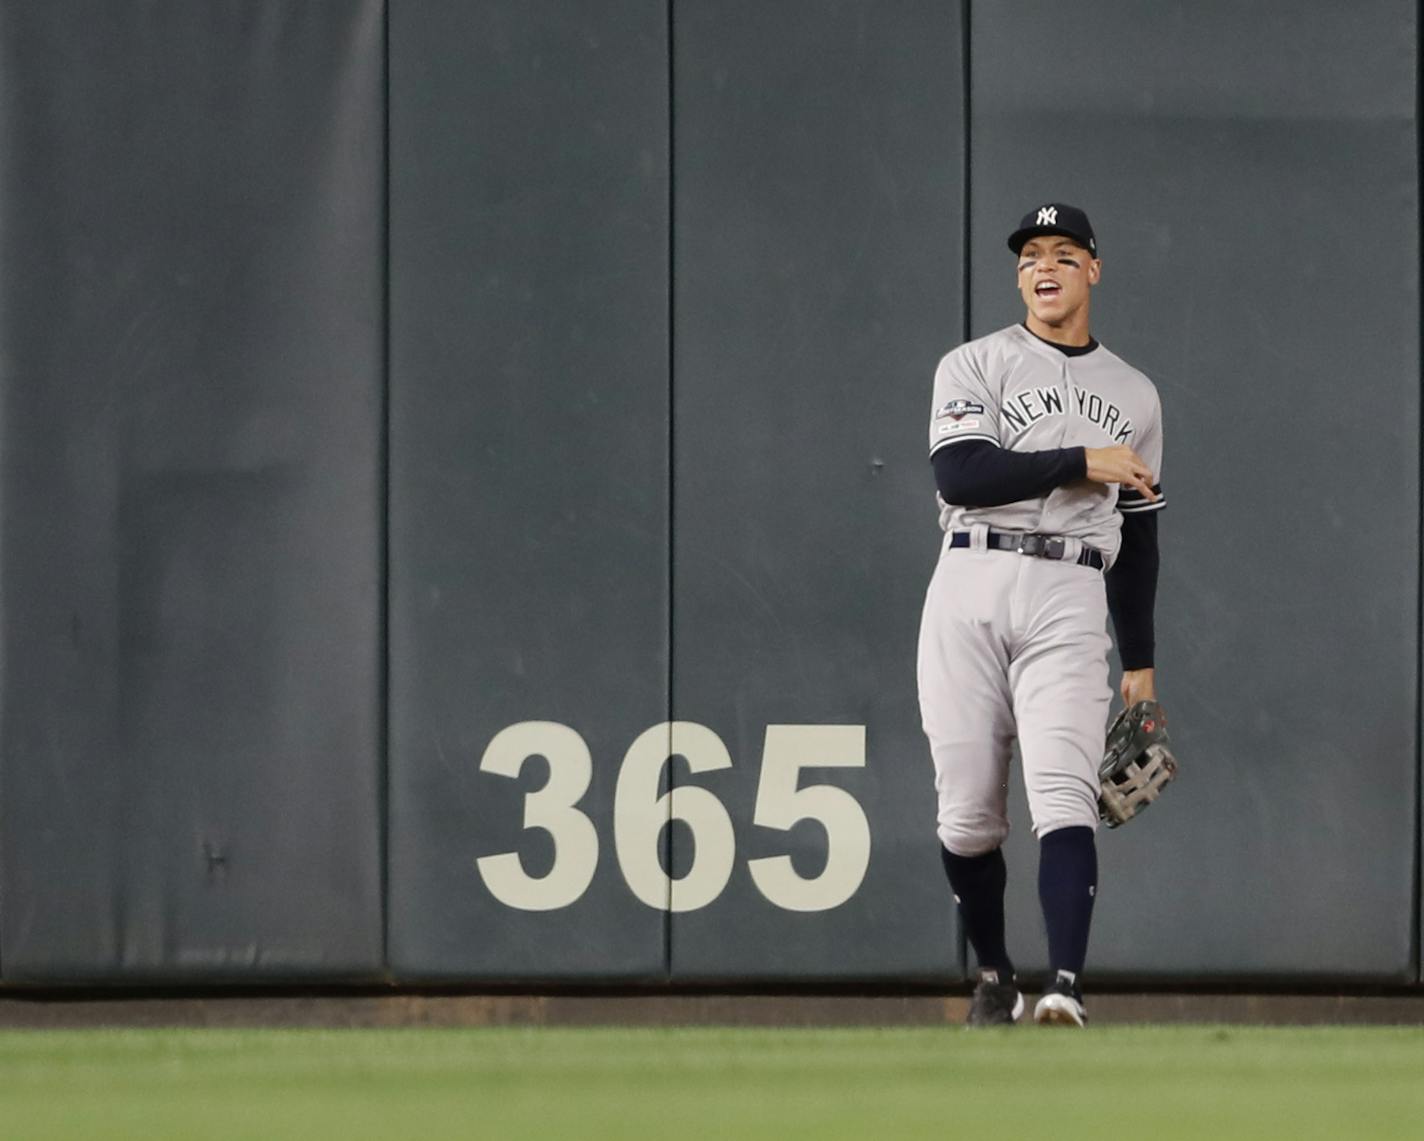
(818, 222)
(190, 375)
(1253, 182)
(529, 473)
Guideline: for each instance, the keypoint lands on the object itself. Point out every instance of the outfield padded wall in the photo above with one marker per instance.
(465, 507)
(191, 322)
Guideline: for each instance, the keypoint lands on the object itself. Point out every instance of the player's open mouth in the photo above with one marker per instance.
(1048, 289)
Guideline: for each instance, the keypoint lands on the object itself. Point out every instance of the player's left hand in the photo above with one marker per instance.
(1138, 685)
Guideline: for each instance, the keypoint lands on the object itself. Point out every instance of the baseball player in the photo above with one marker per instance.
(1047, 454)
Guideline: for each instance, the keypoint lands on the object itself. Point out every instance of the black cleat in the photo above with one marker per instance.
(1061, 1004)
(995, 1003)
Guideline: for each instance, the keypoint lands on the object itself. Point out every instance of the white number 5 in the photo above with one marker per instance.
(780, 805)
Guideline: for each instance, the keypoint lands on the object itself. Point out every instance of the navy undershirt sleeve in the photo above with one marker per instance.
(978, 473)
(1132, 590)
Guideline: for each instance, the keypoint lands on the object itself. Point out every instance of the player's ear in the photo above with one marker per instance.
(1095, 271)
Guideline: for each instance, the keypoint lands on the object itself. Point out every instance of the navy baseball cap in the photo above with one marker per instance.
(1055, 218)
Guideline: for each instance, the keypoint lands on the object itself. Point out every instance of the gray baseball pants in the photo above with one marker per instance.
(1013, 646)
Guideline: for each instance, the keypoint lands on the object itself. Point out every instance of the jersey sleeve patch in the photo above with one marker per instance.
(1130, 501)
(958, 409)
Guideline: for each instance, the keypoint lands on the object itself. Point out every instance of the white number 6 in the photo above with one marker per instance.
(639, 815)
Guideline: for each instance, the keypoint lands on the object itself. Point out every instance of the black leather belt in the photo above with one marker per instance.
(1039, 546)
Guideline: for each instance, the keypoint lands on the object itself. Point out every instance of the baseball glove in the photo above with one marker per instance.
(1137, 764)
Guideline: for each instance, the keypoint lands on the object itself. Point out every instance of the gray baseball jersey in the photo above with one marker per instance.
(1019, 393)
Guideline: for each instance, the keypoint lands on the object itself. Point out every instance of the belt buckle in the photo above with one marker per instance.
(1043, 546)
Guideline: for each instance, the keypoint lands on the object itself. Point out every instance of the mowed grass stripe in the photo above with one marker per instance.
(1169, 1082)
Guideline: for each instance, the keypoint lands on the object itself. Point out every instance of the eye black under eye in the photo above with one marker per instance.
(1068, 261)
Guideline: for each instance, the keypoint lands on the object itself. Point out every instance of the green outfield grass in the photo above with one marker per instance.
(1123, 1082)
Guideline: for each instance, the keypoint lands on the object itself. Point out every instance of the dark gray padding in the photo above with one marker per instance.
(660, 363)
(1251, 173)
(529, 460)
(818, 251)
(190, 202)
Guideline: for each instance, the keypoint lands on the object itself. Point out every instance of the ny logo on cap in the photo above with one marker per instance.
(1047, 216)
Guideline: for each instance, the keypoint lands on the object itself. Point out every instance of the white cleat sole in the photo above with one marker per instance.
(1059, 1010)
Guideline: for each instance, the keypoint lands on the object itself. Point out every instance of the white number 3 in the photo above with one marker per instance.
(550, 808)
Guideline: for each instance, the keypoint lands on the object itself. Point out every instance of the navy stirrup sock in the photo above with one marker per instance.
(978, 886)
(1067, 885)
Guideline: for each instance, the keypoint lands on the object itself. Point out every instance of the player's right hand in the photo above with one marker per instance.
(1120, 464)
